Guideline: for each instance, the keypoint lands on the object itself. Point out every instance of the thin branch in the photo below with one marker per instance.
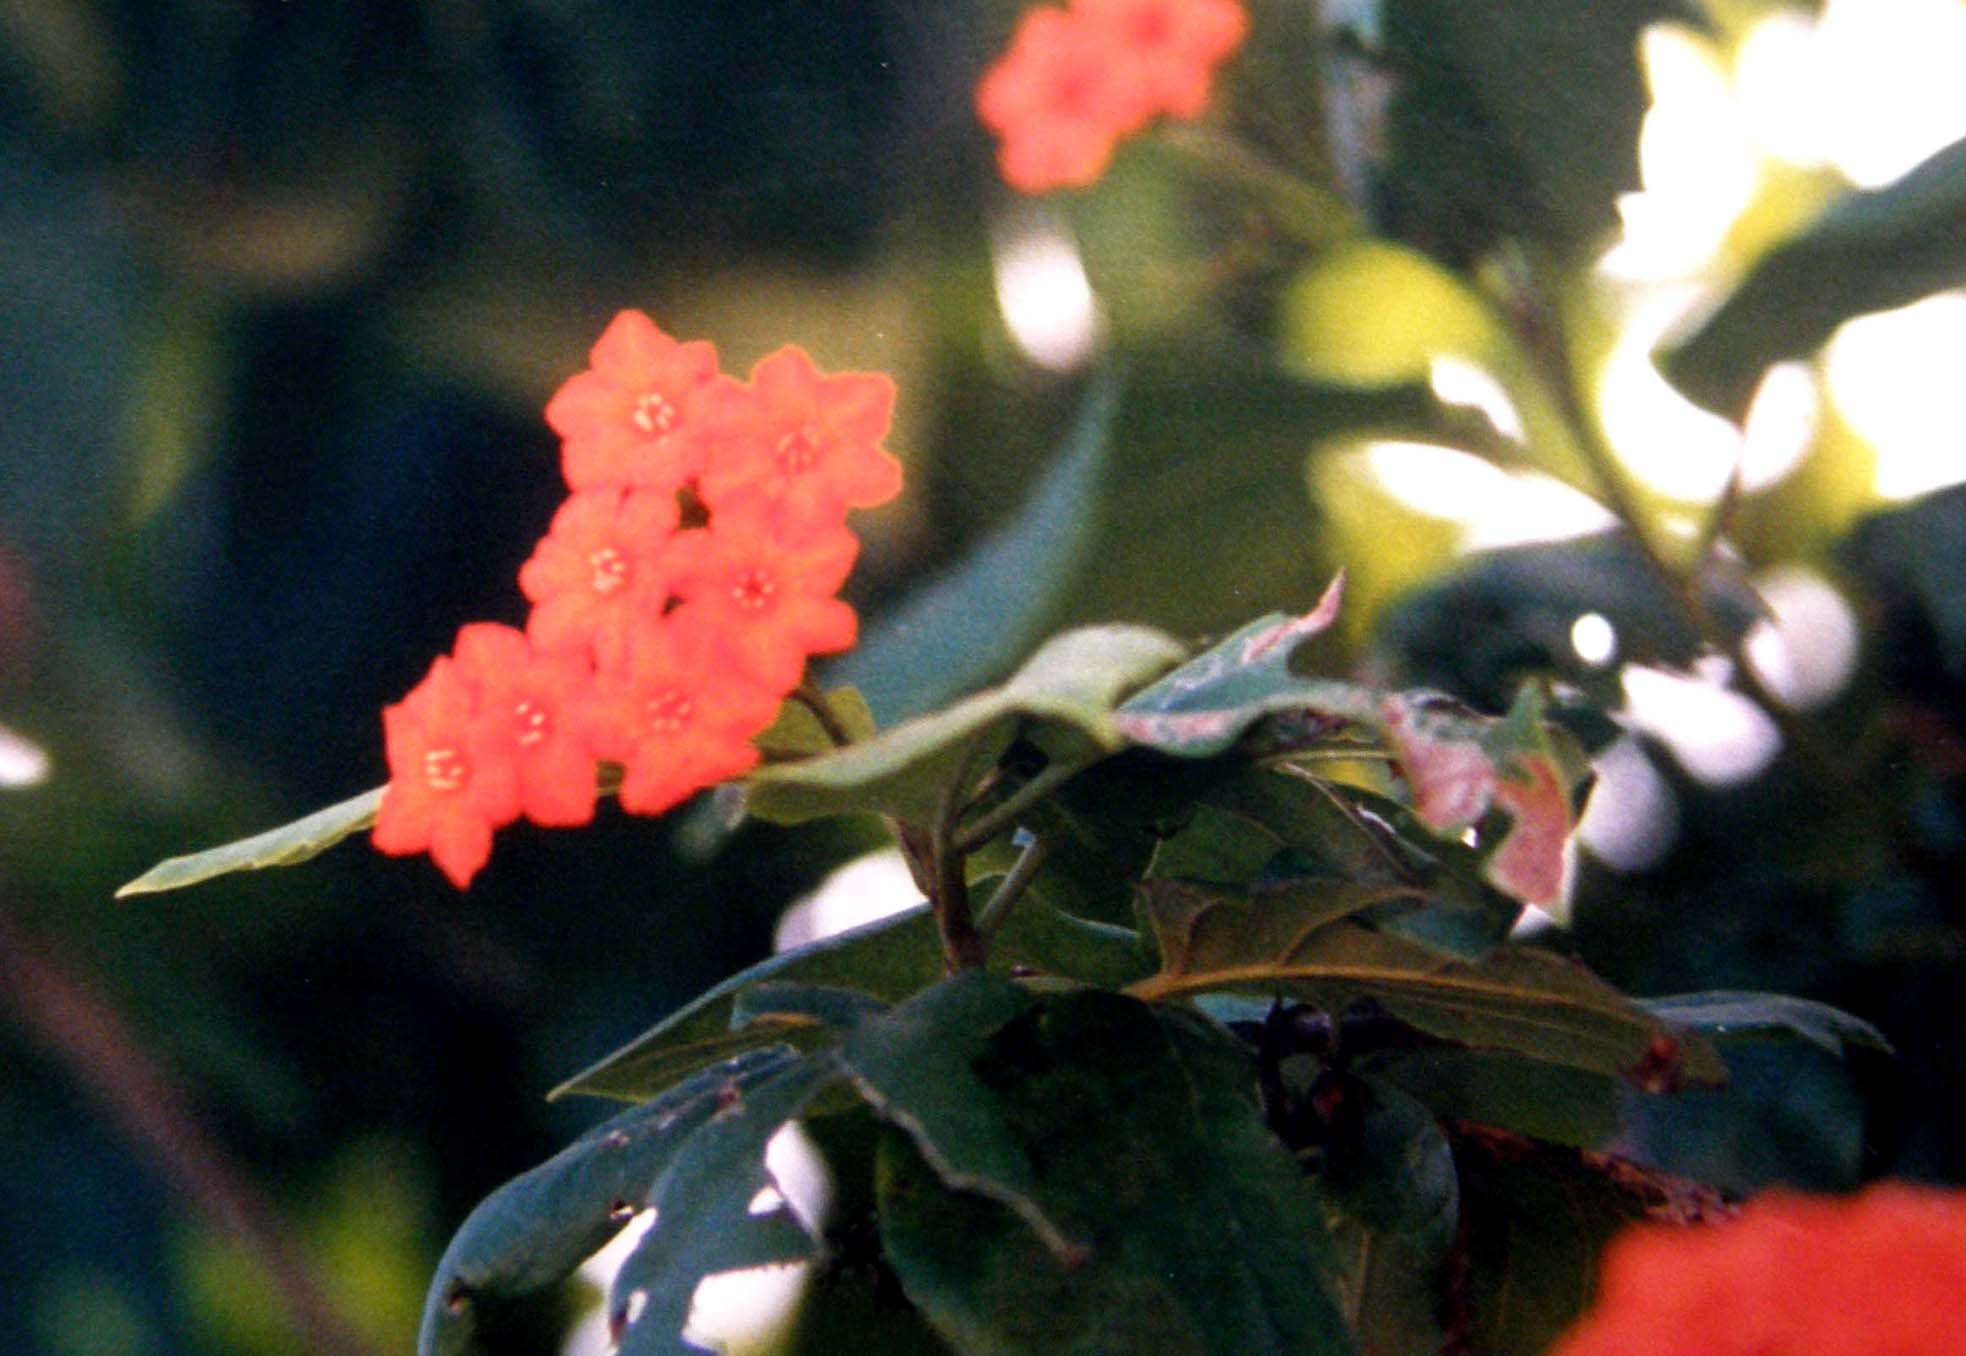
(963, 947)
(808, 695)
(1012, 887)
(1005, 814)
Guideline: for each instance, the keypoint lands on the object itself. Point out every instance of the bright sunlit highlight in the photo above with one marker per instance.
(1893, 92)
(1494, 507)
(1899, 379)
(1696, 160)
(1806, 651)
(1781, 75)
(23, 763)
(1046, 299)
(1456, 381)
(865, 890)
(1719, 736)
(1632, 817)
(1594, 639)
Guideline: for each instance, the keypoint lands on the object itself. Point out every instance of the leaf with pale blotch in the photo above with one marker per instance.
(1201, 709)
(288, 845)
(1512, 998)
(1071, 685)
(703, 1220)
(533, 1231)
(1458, 764)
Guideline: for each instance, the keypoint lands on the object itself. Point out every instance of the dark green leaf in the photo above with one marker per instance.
(1512, 999)
(537, 1228)
(1524, 1096)
(1489, 135)
(1727, 1016)
(1387, 1164)
(1871, 251)
(703, 1220)
(1071, 684)
(970, 624)
(288, 845)
(830, 1006)
(1203, 707)
(1196, 1230)
(1908, 558)
(1393, 1291)
(1045, 939)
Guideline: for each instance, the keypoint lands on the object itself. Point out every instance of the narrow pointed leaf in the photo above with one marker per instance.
(1727, 1016)
(703, 1220)
(537, 1228)
(288, 845)
(1072, 684)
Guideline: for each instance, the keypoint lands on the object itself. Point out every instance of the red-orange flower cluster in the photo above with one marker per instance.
(675, 598)
(1879, 1274)
(1076, 81)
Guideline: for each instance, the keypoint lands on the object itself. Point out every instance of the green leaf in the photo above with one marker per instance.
(1512, 999)
(703, 1220)
(1203, 707)
(288, 845)
(1388, 1165)
(1070, 685)
(1871, 251)
(835, 1008)
(1489, 136)
(537, 1228)
(797, 733)
(1727, 1016)
(971, 623)
(1524, 1096)
(1392, 1290)
(1196, 1230)
(1537, 1221)
(887, 960)
(1907, 558)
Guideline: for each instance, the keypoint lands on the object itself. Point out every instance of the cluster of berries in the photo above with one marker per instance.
(675, 599)
(1074, 82)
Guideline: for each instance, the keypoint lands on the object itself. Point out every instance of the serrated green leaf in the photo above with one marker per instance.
(1198, 1232)
(1871, 251)
(970, 624)
(1511, 999)
(288, 845)
(537, 1228)
(1071, 685)
(703, 1220)
(1204, 706)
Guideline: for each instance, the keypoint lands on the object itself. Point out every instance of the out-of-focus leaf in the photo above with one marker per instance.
(1392, 1290)
(1908, 557)
(797, 733)
(1524, 1096)
(288, 845)
(703, 1220)
(1537, 1220)
(1490, 130)
(1727, 1016)
(1390, 1167)
(1072, 684)
(1512, 999)
(1507, 614)
(1199, 1233)
(1872, 251)
(537, 1228)
(970, 624)
(1203, 707)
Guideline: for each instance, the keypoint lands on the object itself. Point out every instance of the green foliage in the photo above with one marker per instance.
(288, 845)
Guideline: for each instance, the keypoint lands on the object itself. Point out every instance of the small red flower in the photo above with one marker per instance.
(631, 418)
(1059, 99)
(1878, 1274)
(811, 440)
(765, 580)
(676, 716)
(531, 705)
(598, 572)
(1169, 49)
(449, 786)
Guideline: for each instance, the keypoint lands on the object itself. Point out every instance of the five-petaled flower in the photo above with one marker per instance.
(676, 597)
(1074, 82)
(1882, 1273)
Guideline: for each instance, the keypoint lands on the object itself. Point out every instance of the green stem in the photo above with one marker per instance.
(963, 947)
(1312, 215)
(808, 695)
(1005, 814)
(1011, 888)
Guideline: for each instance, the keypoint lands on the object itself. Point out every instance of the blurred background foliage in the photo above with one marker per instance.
(284, 287)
